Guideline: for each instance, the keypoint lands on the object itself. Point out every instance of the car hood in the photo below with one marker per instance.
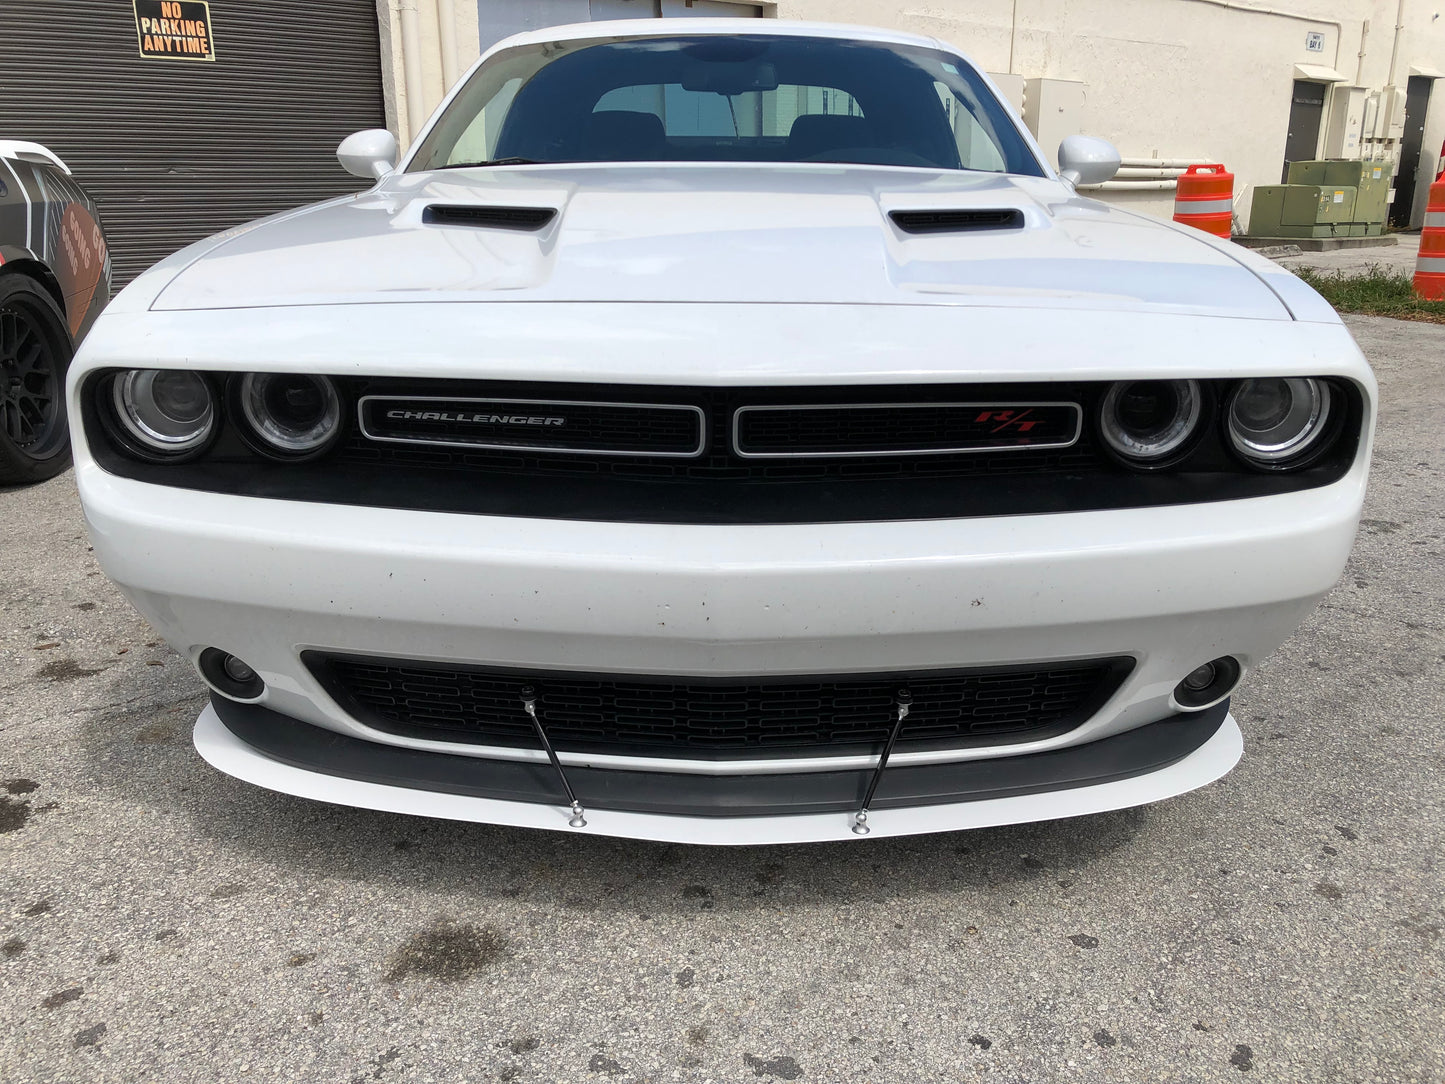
(708, 233)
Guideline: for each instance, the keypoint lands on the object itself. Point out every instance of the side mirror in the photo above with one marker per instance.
(370, 154)
(1086, 160)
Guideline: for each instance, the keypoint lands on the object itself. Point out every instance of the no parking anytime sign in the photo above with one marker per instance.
(174, 29)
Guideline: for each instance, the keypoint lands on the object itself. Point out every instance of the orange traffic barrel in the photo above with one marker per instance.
(1205, 199)
(1430, 267)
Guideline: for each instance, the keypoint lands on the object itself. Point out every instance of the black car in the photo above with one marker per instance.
(54, 280)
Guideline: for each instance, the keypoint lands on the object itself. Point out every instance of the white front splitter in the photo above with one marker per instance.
(227, 753)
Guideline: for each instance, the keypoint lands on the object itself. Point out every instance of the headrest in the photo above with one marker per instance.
(819, 133)
(622, 135)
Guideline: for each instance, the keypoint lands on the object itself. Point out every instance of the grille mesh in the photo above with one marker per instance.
(718, 463)
(680, 717)
(586, 428)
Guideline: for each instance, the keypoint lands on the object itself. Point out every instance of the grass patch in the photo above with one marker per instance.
(1375, 292)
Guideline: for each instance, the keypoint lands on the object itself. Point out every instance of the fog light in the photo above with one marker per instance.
(1208, 684)
(231, 677)
(237, 670)
(1201, 679)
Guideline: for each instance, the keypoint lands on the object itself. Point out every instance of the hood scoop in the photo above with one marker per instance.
(958, 221)
(527, 219)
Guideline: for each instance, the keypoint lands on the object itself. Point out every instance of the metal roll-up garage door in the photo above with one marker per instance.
(174, 147)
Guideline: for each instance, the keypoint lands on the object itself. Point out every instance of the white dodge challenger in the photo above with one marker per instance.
(736, 433)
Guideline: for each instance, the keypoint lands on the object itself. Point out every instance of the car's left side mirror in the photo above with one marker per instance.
(370, 154)
(1086, 160)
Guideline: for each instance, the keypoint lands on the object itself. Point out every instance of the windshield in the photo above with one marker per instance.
(745, 98)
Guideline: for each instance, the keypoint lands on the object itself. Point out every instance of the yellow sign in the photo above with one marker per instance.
(174, 29)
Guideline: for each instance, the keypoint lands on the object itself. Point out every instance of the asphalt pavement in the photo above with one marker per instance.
(162, 922)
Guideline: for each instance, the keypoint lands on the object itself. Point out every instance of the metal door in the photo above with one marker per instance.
(1306, 111)
(174, 148)
(1417, 104)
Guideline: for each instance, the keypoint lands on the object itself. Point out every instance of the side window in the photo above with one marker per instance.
(976, 147)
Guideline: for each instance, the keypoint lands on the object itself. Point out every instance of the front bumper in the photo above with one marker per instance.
(1169, 587)
(1144, 765)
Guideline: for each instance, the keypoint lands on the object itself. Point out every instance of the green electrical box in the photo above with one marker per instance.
(1302, 210)
(1370, 179)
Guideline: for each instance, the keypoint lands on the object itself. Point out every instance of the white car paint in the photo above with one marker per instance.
(699, 275)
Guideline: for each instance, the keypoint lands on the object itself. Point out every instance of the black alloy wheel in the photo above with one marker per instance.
(35, 351)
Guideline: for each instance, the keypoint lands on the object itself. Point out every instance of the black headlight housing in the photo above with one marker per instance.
(1143, 443)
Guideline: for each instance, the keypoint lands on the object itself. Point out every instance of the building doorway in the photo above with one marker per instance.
(1417, 104)
(1306, 112)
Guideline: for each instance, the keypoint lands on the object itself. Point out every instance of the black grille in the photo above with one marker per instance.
(497, 218)
(557, 426)
(719, 486)
(718, 463)
(698, 717)
(1008, 218)
(901, 429)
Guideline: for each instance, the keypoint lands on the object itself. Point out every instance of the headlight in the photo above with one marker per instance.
(1148, 422)
(1275, 421)
(164, 412)
(290, 415)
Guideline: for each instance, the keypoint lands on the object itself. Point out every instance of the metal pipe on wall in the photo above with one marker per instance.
(447, 41)
(416, 111)
(1395, 49)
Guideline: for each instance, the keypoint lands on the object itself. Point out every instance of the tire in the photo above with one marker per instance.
(35, 352)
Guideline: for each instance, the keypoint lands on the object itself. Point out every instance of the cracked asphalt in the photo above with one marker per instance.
(161, 922)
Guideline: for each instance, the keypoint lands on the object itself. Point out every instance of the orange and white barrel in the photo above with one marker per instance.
(1205, 199)
(1430, 267)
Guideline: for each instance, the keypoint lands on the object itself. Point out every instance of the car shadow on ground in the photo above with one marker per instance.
(145, 757)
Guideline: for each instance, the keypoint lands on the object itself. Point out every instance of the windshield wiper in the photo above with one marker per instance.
(494, 162)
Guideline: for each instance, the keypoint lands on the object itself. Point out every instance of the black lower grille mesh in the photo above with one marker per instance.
(668, 716)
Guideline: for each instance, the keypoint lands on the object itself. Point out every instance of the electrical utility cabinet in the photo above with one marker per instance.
(1371, 181)
(1303, 210)
(1345, 123)
(1053, 110)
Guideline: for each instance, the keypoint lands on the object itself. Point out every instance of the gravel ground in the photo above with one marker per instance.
(1400, 257)
(161, 922)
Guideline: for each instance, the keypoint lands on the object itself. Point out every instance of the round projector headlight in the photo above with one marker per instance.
(1276, 420)
(165, 412)
(291, 414)
(1148, 422)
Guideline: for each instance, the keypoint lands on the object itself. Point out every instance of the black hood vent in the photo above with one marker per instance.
(492, 218)
(1001, 218)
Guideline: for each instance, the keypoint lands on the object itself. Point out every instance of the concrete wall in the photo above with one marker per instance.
(1162, 78)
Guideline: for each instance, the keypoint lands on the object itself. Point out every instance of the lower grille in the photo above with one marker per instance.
(702, 717)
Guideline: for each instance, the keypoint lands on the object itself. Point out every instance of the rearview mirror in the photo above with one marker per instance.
(1086, 160)
(370, 154)
(732, 79)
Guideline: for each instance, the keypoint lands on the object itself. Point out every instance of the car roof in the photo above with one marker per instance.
(651, 28)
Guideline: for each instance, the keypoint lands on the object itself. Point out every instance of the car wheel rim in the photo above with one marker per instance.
(30, 414)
